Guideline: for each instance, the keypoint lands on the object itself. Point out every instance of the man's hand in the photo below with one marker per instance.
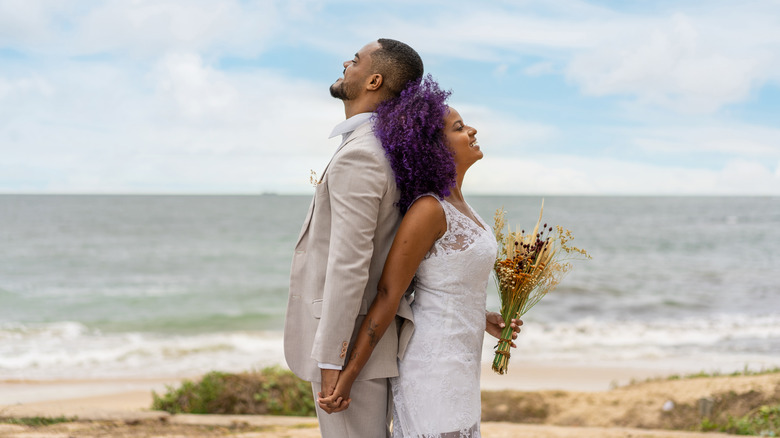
(328, 379)
(339, 400)
(328, 403)
(494, 324)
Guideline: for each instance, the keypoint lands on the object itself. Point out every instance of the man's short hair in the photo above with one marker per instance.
(397, 63)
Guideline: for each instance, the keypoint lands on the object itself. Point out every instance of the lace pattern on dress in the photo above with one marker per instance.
(461, 233)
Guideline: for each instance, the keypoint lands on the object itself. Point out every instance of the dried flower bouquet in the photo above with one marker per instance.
(528, 266)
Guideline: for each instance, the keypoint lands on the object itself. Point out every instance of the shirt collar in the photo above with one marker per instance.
(347, 126)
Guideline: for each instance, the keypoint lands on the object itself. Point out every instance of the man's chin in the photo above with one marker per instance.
(337, 92)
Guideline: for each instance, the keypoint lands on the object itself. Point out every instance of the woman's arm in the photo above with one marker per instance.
(423, 224)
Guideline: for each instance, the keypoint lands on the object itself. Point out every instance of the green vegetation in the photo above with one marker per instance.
(704, 374)
(271, 391)
(763, 421)
(744, 372)
(37, 421)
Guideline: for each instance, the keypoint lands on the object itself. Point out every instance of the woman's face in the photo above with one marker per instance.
(461, 140)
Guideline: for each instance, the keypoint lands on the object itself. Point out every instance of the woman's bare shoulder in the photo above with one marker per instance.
(427, 212)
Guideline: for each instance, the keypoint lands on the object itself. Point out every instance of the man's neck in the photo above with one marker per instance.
(352, 107)
(351, 110)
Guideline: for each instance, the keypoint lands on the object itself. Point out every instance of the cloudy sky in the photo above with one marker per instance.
(230, 96)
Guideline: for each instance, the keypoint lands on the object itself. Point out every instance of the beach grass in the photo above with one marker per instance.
(270, 391)
(763, 421)
(709, 374)
(37, 421)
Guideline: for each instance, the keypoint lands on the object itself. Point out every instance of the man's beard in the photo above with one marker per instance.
(341, 91)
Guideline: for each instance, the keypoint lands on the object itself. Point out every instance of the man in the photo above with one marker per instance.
(342, 248)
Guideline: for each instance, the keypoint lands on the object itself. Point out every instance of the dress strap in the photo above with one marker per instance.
(434, 195)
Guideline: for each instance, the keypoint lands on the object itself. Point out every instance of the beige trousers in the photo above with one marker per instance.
(368, 415)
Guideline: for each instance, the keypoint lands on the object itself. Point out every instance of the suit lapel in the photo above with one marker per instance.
(306, 221)
(360, 130)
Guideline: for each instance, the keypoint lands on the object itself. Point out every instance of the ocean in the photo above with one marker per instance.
(107, 286)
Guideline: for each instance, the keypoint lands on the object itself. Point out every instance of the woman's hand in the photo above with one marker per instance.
(494, 324)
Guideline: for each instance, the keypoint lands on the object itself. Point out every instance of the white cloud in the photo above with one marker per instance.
(696, 60)
(540, 68)
(738, 139)
(182, 126)
(25, 22)
(679, 63)
(501, 175)
(491, 33)
(144, 28)
(742, 176)
(33, 84)
(198, 90)
(169, 25)
(502, 134)
(568, 174)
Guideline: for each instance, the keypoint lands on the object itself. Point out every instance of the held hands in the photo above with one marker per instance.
(334, 396)
(495, 324)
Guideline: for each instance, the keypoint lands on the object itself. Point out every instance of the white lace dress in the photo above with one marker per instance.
(436, 394)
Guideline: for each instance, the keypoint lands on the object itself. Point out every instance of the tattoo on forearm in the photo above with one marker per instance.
(354, 355)
(373, 339)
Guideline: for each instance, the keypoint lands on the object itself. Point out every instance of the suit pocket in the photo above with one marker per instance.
(316, 308)
(321, 190)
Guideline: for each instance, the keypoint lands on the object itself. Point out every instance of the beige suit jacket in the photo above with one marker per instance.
(338, 261)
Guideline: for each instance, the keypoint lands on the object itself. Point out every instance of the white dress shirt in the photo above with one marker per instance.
(347, 126)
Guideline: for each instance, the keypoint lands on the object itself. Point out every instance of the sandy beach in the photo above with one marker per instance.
(521, 377)
(577, 402)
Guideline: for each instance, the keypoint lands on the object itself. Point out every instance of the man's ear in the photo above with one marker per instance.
(375, 82)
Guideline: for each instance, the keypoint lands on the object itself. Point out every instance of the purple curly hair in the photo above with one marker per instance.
(411, 129)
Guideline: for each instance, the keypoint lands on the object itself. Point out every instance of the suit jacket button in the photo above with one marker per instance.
(342, 354)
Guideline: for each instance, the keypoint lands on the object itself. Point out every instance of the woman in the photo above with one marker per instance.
(449, 251)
